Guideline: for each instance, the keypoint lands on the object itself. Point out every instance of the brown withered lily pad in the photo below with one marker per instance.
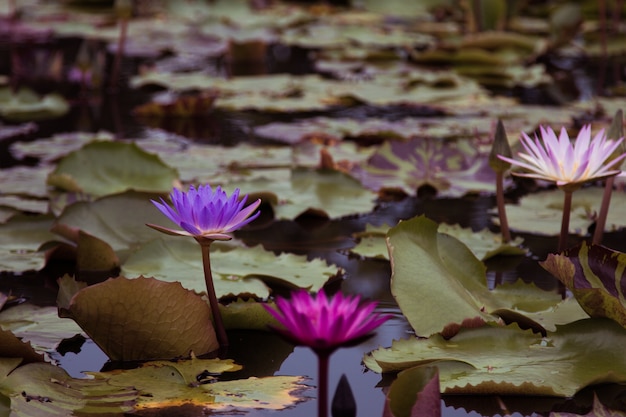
(143, 319)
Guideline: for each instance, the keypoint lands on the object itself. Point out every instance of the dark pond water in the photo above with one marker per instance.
(263, 353)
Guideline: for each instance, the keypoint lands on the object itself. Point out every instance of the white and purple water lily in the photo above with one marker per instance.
(325, 324)
(566, 163)
(204, 213)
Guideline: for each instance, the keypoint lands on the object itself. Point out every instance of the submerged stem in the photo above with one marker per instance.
(604, 211)
(222, 338)
(322, 384)
(504, 224)
(567, 208)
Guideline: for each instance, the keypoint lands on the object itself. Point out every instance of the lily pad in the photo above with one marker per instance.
(238, 271)
(106, 167)
(415, 392)
(39, 326)
(453, 168)
(595, 275)
(143, 319)
(26, 181)
(119, 220)
(14, 351)
(440, 286)
(20, 240)
(325, 192)
(168, 384)
(483, 244)
(42, 390)
(50, 149)
(28, 205)
(509, 361)
(26, 105)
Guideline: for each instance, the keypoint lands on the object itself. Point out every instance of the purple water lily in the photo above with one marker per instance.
(206, 213)
(566, 163)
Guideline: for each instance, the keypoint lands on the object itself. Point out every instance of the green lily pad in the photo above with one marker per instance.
(595, 276)
(106, 167)
(440, 286)
(509, 361)
(45, 390)
(483, 244)
(119, 220)
(166, 321)
(169, 384)
(236, 271)
(325, 192)
(26, 181)
(12, 347)
(28, 205)
(53, 148)
(20, 240)
(541, 212)
(26, 105)
(39, 326)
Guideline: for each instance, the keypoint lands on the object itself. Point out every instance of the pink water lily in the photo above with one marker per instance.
(206, 213)
(323, 323)
(566, 163)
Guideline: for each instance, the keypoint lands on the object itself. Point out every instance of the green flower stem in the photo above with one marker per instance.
(222, 338)
(567, 208)
(604, 211)
(504, 223)
(322, 383)
(118, 54)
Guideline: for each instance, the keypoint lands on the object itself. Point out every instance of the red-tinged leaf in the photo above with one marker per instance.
(596, 276)
(414, 393)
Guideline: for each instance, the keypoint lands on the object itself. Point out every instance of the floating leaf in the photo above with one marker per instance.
(13, 347)
(453, 169)
(119, 220)
(431, 272)
(39, 326)
(596, 277)
(170, 384)
(414, 393)
(27, 181)
(26, 105)
(236, 271)
(143, 319)
(323, 192)
(105, 167)
(44, 390)
(483, 244)
(509, 361)
(51, 149)
(20, 239)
